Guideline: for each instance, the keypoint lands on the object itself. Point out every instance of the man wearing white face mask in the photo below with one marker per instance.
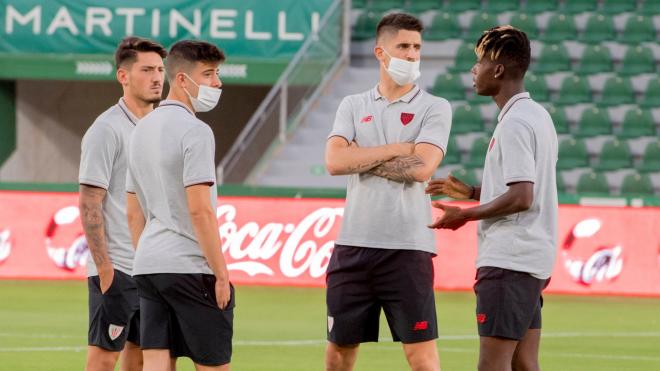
(390, 140)
(186, 300)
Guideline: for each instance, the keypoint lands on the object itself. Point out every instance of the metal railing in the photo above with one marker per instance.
(322, 54)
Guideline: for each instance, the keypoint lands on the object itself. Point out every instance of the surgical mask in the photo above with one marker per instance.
(402, 71)
(207, 97)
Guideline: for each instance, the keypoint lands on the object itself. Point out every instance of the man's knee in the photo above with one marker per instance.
(340, 357)
(422, 356)
(525, 363)
(101, 360)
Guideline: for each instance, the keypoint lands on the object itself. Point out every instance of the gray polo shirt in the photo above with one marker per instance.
(170, 150)
(523, 149)
(103, 164)
(381, 213)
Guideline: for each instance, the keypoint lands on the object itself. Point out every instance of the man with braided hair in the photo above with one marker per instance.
(517, 231)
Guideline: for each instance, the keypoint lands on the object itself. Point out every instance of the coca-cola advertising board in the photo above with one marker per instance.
(288, 242)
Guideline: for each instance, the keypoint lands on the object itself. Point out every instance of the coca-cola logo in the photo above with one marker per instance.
(65, 243)
(303, 247)
(585, 265)
(5, 244)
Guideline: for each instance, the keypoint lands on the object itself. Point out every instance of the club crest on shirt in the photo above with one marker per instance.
(367, 119)
(331, 323)
(406, 118)
(114, 331)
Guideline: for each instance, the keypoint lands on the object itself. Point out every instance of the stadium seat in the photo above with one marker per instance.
(637, 123)
(614, 155)
(650, 7)
(480, 23)
(467, 176)
(466, 119)
(599, 28)
(387, 5)
(449, 86)
(617, 91)
(593, 184)
(572, 154)
(453, 155)
(652, 94)
(476, 99)
(553, 58)
(465, 59)
(540, 6)
(636, 185)
(595, 59)
(537, 87)
(594, 121)
(420, 6)
(463, 5)
(560, 27)
(365, 26)
(579, 6)
(559, 119)
(638, 59)
(638, 28)
(526, 23)
(443, 26)
(651, 158)
(573, 90)
(477, 154)
(498, 6)
(618, 6)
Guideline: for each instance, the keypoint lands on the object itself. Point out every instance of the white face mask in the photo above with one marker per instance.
(402, 71)
(207, 97)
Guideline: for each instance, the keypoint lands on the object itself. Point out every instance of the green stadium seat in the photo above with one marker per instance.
(618, 6)
(561, 185)
(553, 58)
(467, 119)
(477, 154)
(463, 5)
(599, 28)
(540, 6)
(467, 176)
(498, 6)
(537, 87)
(560, 27)
(637, 185)
(595, 59)
(420, 6)
(594, 121)
(652, 94)
(614, 155)
(573, 90)
(637, 123)
(638, 59)
(449, 86)
(651, 158)
(593, 184)
(526, 23)
(476, 99)
(650, 7)
(480, 22)
(572, 154)
(465, 59)
(638, 28)
(617, 90)
(443, 26)
(453, 155)
(559, 119)
(365, 26)
(387, 5)
(580, 6)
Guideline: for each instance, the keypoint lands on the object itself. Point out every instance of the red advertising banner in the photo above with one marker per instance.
(283, 241)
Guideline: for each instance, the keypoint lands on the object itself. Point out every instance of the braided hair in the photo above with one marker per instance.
(506, 45)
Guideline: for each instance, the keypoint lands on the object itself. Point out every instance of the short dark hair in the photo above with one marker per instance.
(130, 46)
(186, 53)
(507, 45)
(394, 22)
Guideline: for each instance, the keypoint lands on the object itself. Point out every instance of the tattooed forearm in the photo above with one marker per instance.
(91, 215)
(399, 169)
(361, 168)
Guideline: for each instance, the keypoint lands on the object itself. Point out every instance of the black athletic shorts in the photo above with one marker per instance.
(179, 312)
(361, 281)
(114, 316)
(508, 302)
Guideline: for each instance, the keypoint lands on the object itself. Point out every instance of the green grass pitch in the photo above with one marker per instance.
(43, 327)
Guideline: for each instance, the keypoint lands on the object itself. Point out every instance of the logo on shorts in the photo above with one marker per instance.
(331, 322)
(114, 331)
(421, 325)
(406, 118)
(367, 119)
(481, 318)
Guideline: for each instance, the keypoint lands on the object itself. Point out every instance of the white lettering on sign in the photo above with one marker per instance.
(219, 21)
(281, 29)
(178, 19)
(234, 70)
(250, 33)
(33, 16)
(62, 20)
(99, 17)
(130, 14)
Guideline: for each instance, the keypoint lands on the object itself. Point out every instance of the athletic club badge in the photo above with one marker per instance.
(406, 118)
(114, 331)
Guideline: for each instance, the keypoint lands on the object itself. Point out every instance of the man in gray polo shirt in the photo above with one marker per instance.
(390, 140)
(113, 301)
(186, 300)
(517, 211)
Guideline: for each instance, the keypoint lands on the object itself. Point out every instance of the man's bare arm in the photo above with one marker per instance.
(342, 158)
(91, 215)
(136, 220)
(417, 167)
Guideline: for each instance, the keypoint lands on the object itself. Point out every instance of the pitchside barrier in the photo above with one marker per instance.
(287, 241)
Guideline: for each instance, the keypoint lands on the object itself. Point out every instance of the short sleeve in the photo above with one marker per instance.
(130, 180)
(98, 152)
(436, 125)
(343, 125)
(198, 156)
(517, 146)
